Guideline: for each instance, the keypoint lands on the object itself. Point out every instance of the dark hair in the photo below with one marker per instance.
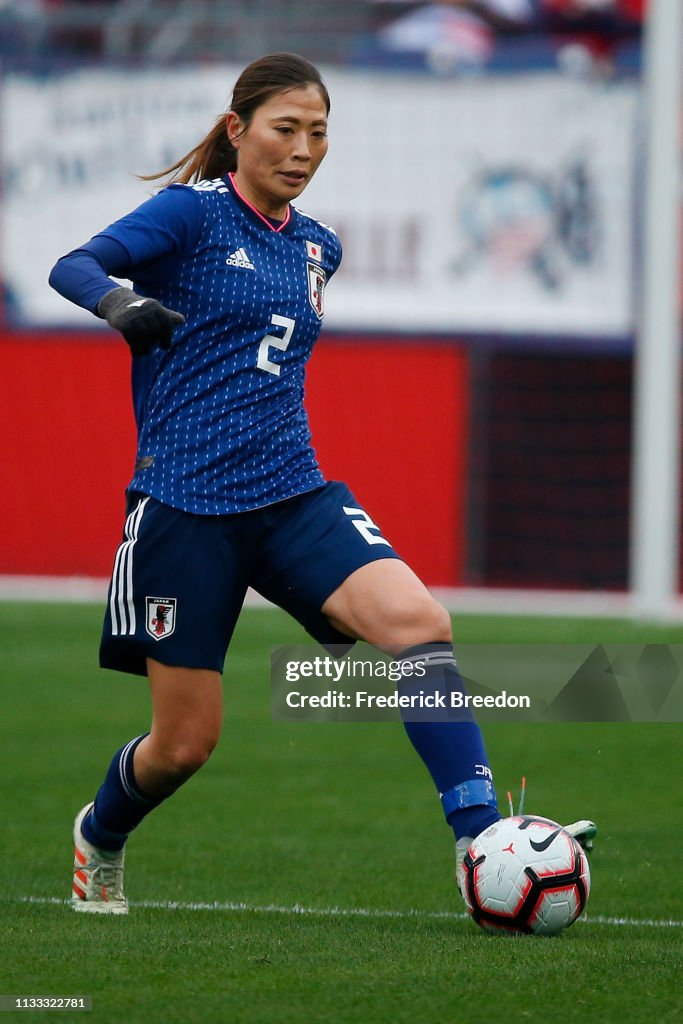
(215, 155)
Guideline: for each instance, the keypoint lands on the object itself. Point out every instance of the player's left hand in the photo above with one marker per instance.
(143, 322)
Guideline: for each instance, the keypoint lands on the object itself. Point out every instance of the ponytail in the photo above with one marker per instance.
(213, 157)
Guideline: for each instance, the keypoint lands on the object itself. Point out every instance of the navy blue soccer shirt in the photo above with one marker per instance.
(221, 422)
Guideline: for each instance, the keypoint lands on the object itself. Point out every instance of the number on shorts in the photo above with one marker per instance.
(270, 341)
(364, 524)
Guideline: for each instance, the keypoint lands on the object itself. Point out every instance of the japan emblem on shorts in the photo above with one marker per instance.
(316, 288)
(160, 616)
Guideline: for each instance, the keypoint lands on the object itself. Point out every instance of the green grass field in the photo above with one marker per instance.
(339, 820)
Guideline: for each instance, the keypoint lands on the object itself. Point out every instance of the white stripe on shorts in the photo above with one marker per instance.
(121, 604)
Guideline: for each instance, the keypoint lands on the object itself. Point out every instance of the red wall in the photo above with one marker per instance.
(69, 440)
(390, 419)
(387, 417)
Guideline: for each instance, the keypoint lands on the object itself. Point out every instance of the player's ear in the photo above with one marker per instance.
(234, 126)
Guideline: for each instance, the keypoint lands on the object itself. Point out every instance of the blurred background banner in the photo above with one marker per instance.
(74, 143)
(463, 205)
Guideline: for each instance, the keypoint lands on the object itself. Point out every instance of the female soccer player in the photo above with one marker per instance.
(228, 300)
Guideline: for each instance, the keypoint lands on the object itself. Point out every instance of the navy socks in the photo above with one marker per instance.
(119, 804)
(449, 741)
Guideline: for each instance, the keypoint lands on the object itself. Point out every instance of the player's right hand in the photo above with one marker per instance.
(143, 322)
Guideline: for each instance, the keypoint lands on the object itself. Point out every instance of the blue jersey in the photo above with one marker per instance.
(221, 422)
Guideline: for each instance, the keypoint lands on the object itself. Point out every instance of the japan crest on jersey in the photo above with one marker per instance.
(316, 288)
(160, 616)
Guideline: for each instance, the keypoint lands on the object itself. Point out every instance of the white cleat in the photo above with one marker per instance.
(98, 875)
(461, 847)
(584, 832)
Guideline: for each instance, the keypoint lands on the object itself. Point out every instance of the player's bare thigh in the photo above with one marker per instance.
(387, 605)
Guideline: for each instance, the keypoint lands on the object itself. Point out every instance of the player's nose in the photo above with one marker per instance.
(302, 149)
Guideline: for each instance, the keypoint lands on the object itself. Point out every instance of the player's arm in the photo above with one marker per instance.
(166, 224)
(83, 277)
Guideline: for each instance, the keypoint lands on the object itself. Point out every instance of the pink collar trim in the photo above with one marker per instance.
(258, 212)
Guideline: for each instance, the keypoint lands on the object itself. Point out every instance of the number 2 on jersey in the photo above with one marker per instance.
(364, 524)
(271, 341)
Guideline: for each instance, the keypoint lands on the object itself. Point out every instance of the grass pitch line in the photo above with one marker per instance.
(297, 908)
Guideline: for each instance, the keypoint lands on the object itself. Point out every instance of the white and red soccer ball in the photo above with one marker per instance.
(525, 875)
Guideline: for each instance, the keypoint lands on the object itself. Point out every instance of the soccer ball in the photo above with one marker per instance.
(525, 875)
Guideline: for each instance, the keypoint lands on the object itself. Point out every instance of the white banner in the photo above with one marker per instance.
(487, 205)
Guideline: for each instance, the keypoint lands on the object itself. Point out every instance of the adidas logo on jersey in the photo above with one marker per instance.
(239, 258)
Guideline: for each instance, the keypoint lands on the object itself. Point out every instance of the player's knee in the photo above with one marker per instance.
(433, 623)
(417, 622)
(440, 623)
(185, 758)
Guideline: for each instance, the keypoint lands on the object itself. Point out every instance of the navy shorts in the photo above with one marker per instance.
(179, 579)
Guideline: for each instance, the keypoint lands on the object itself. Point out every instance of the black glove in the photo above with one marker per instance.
(144, 323)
